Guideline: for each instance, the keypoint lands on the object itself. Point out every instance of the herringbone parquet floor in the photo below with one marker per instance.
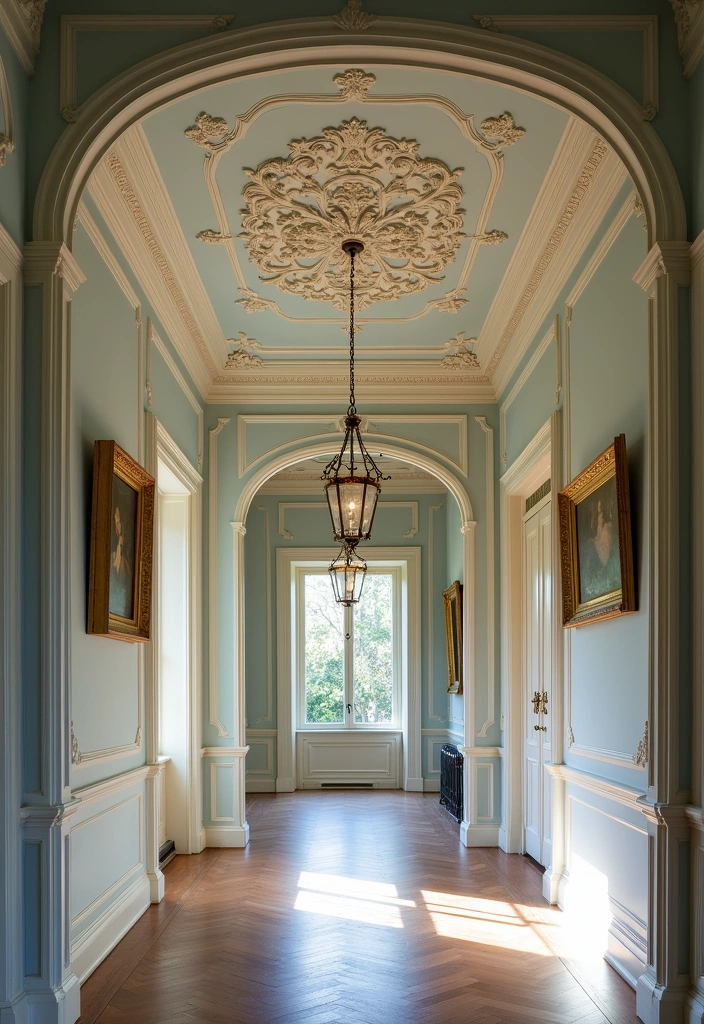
(354, 907)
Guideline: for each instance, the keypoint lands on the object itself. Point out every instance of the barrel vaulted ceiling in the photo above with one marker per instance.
(474, 202)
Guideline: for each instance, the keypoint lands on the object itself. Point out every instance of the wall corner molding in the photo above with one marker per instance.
(43, 260)
(689, 18)
(22, 23)
(665, 258)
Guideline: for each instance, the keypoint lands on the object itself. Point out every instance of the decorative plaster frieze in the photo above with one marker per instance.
(354, 84)
(352, 18)
(645, 24)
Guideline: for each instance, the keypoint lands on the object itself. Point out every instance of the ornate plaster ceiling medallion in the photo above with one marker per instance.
(353, 182)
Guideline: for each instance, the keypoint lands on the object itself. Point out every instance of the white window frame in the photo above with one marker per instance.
(399, 617)
(408, 560)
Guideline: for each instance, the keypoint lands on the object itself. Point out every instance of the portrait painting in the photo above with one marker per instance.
(595, 540)
(452, 598)
(122, 526)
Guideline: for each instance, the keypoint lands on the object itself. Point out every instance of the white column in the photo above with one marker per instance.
(662, 989)
(51, 986)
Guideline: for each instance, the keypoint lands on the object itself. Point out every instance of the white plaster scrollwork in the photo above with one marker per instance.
(686, 12)
(451, 302)
(491, 238)
(354, 84)
(206, 129)
(251, 302)
(211, 237)
(352, 18)
(75, 750)
(570, 736)
(343, 177)
(242, 357)
(641, 756)
(461, 356)
(503, 128)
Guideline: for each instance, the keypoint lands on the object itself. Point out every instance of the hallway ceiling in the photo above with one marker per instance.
(474, 202)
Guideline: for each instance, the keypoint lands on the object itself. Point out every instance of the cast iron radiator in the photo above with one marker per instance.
(451, 772)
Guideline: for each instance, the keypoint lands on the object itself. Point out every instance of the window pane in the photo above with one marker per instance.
(324, 652)
(373, 651)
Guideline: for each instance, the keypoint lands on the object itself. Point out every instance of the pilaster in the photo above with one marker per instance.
(52, 988)
(238, 725)
(662, 989)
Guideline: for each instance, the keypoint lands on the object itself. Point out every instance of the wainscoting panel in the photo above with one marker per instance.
(329, 757)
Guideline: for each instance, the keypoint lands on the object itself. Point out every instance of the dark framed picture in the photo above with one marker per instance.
(595, 540)
(121, 542)
(453, 631)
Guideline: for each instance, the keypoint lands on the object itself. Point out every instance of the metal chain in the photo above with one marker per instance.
(352, 408)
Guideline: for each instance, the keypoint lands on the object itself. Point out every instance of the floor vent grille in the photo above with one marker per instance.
(347, 785)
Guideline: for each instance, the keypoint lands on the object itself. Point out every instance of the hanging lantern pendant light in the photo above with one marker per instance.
(347, 573)
(353, 477)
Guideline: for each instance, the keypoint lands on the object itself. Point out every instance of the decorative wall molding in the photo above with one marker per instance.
(552, 335)
(266, 717)
(628, 796)
(642, 754)
(154, 339)
(430, 614)
(645, 24)
(22, 23)
(583, 181)
(489, 480)
(213, 678)
(7, 135)
(689, 18)
(461, 354)
(72, 24)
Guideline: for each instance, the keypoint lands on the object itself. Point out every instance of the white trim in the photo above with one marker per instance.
(72, 24)
(153, 338)
(19, 34)
(266, 717)
(227, 836)
(286, 560)
(7, 135)
(213, 677)
(223, 751)
(489, 484)
(10, 620)
(552, 335)
(116, 783)
(430, 618)
(93, 945)
(645, 24)
(618, 791)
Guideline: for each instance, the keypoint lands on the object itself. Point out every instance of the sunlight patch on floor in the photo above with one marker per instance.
(490, 922)
(354, 899)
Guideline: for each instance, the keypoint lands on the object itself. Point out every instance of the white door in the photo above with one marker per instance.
(537, 671)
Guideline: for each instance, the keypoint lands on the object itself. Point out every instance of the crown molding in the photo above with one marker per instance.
(22, 22)
(144, 256)
(645, 24)
(7, 135)
(583, 182)
(72, 24)
(665, 258)
(689, 18)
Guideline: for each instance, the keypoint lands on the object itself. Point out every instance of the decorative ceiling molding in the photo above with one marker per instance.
(352, 18)
(211, 133)
(645, 24)
(461, 354)
(22, 23)
(531, 281)
(689, 18)
(242, 357)
(72, 24)
(7, 135)
(353, 181)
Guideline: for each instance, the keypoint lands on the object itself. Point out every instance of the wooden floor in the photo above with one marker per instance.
(351, 907)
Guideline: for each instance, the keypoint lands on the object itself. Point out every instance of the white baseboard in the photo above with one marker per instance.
(227, 835)
(628, 943)
(16, 1012)
(260, 786)
(659, 1004)
(156, 885)
(91, 948)
(694, 1012)
(414, 785)
(479, 835)
(285, 785)
(431, 785)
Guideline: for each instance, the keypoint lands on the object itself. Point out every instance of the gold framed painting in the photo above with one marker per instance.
(121, 542)
(595, 540)
(453, 631)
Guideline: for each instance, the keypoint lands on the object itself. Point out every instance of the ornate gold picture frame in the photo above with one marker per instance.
(595, 540)
(121, 542)
(453, 631)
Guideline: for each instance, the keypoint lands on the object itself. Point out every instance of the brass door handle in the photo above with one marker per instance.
(540, 703)
(540, 728)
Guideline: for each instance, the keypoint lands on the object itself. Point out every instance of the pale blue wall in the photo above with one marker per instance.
(13, 173)
(696, 121)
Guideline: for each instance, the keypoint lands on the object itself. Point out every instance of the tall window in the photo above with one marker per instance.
(348, 658)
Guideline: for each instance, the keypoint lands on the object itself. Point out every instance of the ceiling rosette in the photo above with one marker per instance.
(353, 182)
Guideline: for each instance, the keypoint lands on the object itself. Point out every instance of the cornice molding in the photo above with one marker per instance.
(665, 258)
(645, 24)
(689, 18)
(72, 24)
(43, 260)
(22, 23)
(7, 135)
